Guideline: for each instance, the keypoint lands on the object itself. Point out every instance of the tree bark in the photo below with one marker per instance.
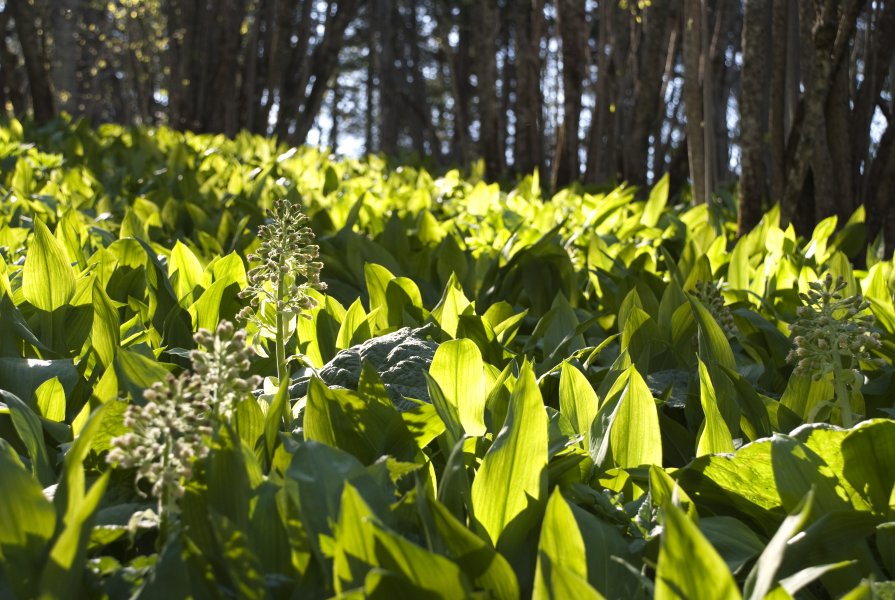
(831, 32)
(42, 98)
(753, 178)
(486, 75)
(529, 151)
(693, 98)
(572, 30)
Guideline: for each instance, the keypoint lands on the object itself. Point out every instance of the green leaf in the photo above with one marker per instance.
(634, 436)
(562, 565)
(278, 411)
(353, 326)
(453, 303)
(27, 522)
(458, 369)
(105, 331)
(577, 400)
(487, 568)
(48, 279)
(689, 567)
(763, 574)
(510, 486)
(654, 206)
(50, 397)
(184, 270)
(734, 540)
(27, 425)
(351, 422)
(868, 454)
(715, 437)
(64, 572)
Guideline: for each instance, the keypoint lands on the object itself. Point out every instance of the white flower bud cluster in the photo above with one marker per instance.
(219, 368)
(166, 436)
(709, 294)
(832, 332)
(287, 255)
(168, 432)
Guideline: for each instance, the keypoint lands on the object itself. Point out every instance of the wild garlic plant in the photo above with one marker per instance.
(833, 334)
(287, 272)
(170, 432)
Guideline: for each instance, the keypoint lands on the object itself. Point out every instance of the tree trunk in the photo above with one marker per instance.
(693, 98)
(42, 100)
(572, 30)
(66, 55)
(529, 151)
(831, 32)
(486, 74)
(753, 179)
(778, 104)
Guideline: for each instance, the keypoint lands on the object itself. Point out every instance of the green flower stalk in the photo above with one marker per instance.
(832, 335)
(288, 271)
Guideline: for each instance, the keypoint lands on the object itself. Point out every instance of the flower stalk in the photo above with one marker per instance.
(287, 272)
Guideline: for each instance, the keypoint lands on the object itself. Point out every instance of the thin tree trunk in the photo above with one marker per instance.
(753, 179)
(485, 40)
(572, 30)
(529, 127)
(693, 98)
(778, 104)
(42, 100)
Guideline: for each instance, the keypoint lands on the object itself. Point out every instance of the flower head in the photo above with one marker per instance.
(832, 331)
(709, 294)
(219, 369)
(288, 267)
(165, 438)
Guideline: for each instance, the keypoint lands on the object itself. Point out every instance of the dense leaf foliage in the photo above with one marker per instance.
(608, 410)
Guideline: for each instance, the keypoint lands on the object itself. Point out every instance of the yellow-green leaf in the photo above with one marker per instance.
(48, 280)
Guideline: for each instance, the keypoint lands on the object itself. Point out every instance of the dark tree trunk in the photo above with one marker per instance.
(42, 99)
(693, 98)
(573, 32)
(529, 150)
(753, 179)
(486, 75)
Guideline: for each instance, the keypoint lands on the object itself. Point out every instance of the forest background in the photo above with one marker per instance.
(751, 102)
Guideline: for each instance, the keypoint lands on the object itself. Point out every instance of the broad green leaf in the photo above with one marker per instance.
(510, 486)
(562, 563)
(715, 438)
(689, 567)
(28, 427)
(868, 453)
(654, 206)
(355, 319)
(798, 470)
(663, 490)
(734, 540)
(48, 279)
(453, 303)
(50, 397)
(577, 400)
(184, 270)
(634, 436)
(458, 369)
(63, 575)
(377, 278)
(486, 567)
(27, 522)
(105, 330)
(761, 578)
(351, 422)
